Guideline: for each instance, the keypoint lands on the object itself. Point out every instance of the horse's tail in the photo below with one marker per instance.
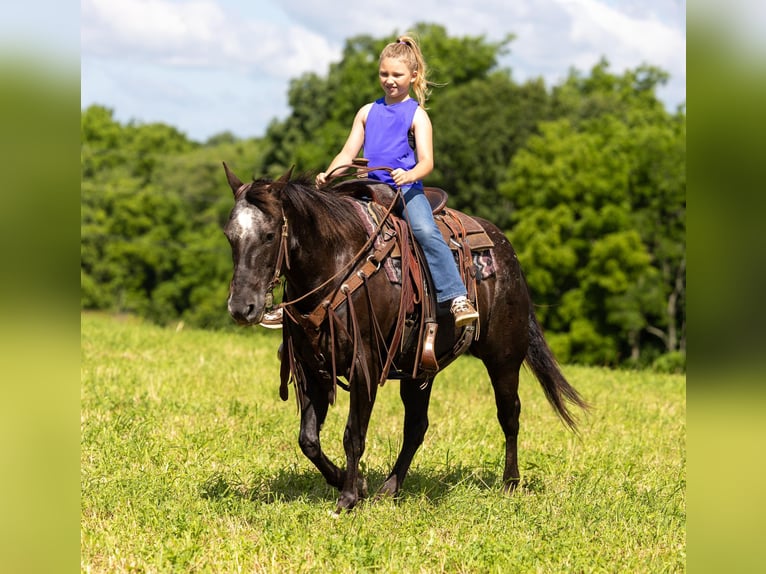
(557, 389)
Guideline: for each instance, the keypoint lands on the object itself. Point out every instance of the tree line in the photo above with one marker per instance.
(587, 178)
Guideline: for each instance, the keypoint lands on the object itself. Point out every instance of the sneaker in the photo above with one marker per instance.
(463, 312)
(272, 319)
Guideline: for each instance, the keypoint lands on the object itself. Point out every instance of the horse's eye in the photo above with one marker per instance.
(269, 236)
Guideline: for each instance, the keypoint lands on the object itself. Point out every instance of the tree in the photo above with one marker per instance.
(478, 127)
(601, 93)
(153, 206)
(600, 222)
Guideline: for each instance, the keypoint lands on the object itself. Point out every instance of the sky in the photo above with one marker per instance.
(211, 66)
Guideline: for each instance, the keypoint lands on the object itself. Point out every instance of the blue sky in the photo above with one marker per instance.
(208, 66)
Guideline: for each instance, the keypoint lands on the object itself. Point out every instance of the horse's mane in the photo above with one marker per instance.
(330, 215)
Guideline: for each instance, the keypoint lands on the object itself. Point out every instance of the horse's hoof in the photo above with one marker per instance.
(388, 490)
(345, 502)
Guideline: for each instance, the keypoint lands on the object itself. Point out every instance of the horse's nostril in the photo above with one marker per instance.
(242, 312)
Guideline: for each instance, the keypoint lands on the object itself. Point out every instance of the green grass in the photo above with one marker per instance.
(190, 463)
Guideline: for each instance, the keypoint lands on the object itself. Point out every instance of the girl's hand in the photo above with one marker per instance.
(401, 177)
(321, 179)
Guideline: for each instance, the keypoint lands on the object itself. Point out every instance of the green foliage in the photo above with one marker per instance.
(190, 462)
(323, 109)
(603, 94)
(600, 224)
(153, 206)
(674, 362)
(587, 178)
(478, 127)
(107, 145)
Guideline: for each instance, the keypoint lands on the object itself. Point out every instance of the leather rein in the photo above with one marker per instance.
(283, 257)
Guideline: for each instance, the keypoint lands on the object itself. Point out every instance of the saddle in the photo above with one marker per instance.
(463, 235)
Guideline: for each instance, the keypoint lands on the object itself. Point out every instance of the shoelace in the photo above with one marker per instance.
(461, 307)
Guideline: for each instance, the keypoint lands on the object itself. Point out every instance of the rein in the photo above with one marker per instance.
(283, 257)
(361, 169)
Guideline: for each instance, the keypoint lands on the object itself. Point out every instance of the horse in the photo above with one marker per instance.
(313, 239)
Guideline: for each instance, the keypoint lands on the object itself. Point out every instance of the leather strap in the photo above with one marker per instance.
(355, 280)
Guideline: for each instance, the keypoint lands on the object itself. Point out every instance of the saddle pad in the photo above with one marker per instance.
(478, 240)
(484, 261)
(369, 214)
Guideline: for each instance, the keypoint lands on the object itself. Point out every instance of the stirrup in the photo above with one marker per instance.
(272, 319)
(428, 361)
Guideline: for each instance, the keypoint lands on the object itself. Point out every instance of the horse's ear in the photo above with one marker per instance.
(287, 175)
(233, 180)
(280, 184)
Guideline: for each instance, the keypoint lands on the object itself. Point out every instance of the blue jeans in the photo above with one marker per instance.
(417, 212)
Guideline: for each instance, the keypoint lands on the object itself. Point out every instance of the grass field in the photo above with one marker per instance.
(190, 463)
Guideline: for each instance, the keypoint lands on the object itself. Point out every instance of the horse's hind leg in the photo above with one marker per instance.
(505, 381)
(314, 404)
(415, 402)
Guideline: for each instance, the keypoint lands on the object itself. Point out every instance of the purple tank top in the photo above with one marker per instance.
(386, 141)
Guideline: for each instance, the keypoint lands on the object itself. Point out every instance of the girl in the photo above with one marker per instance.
(384, 128)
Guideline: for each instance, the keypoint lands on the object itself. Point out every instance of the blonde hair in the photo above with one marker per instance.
(406, 49)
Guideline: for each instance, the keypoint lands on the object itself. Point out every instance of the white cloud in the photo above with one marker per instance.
(626, 40)
(197, 33)
(158, 28)
(551, 35)
(175, 54)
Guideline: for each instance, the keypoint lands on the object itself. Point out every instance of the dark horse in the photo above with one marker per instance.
(313, 238)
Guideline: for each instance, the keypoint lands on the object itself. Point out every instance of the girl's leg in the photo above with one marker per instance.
(441, 263)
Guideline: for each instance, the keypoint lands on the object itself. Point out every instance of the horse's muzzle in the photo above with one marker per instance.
(245, 313)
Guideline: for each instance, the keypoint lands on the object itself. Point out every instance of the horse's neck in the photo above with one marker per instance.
(318, 265)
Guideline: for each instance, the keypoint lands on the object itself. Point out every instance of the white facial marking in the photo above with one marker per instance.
(245, 221)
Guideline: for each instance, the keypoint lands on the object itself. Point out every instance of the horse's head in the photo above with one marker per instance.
(254, 231)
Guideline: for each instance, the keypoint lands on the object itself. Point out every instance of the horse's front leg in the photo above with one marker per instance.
(360, 409)
(314, 404)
